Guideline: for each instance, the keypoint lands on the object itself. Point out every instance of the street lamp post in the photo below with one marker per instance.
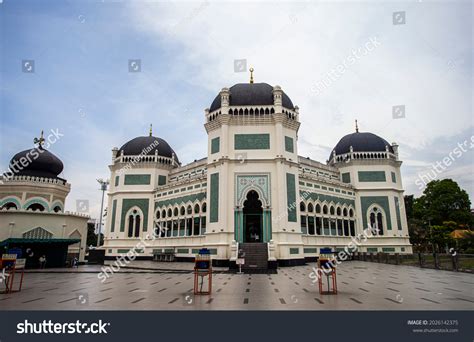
(103, 187)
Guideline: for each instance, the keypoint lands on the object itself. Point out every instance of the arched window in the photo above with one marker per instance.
(134, 223)
(331, 210)
(169, 213)
(302, 206)
(344, 212)
(196, 209)
(318, 209)
(189, 210)
(338, 211)
(204, 207)
(158, 215)
(10, 206)
(182, 211)
(351, 213)
(376, 220)
(310, 208)
(325, 209)
(163, 213)
(35, 207)
(57, 209)
(175, 211)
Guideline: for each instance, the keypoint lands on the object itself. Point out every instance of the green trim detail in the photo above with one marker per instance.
(182, 251)
(137, 180)
(142, 203)
(382, 201)
(38, 201)
(310, 250)
(346, 177)
(289, 145)
(371, 176)
(291, 196)
(214, 200)
(397, 212)
(11, 199)
(114, 213)
(215, 145)
(313, 196)
(161, 180)
(181, 200)
(123, 250)
(372, 249)
(252, 141)
(294, 251)
(388, 249)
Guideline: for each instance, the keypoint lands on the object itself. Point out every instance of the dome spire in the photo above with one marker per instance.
(357, 127)
(151, 130)
(39, 141)
(251, 74)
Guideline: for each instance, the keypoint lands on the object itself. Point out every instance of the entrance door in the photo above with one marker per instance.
(253, 213)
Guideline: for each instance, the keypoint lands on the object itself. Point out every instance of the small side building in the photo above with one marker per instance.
(32, 216)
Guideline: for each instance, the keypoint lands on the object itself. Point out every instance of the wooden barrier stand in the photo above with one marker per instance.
(11, 266)
(202, 268)
(328, 268)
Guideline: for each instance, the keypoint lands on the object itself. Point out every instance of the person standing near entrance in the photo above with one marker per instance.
(42, 261)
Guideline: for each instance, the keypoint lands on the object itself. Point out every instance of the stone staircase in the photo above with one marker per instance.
(256, 257)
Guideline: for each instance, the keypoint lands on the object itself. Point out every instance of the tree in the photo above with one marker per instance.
(443, 200)
(92, 236)
(440, 237)
(409, 201)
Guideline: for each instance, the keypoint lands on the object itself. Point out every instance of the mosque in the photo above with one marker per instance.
(253, 194)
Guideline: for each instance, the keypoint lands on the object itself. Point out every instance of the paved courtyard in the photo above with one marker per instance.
(168, 286)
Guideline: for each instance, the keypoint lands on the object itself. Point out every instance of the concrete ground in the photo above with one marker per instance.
(168, 286)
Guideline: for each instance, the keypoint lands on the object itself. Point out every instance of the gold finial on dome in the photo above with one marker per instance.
(151, 130)
(39, 141)
(357, 127)
(251, 74)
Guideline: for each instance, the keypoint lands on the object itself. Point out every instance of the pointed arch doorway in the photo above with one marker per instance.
(253, 218)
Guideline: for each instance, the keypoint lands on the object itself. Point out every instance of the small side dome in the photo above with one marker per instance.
(36, 162)
(251, 94)
(147, 145)
(361, 142)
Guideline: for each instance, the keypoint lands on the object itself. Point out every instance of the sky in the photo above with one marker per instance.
(338, 61)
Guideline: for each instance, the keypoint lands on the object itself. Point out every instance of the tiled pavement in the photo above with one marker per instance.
(361, 285)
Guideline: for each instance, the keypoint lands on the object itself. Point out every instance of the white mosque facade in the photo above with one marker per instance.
(254, 188)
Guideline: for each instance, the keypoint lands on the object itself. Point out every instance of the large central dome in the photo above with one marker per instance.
(251, 94)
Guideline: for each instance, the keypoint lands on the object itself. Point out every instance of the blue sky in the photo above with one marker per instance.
(82, 86)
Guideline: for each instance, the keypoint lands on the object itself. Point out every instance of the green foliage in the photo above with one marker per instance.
(443, 208)
(443, 200)
(440, 237)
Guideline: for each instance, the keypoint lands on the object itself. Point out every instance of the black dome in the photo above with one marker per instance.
(147, 146)
(361, 142)
(43, 163)
(248, 94)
